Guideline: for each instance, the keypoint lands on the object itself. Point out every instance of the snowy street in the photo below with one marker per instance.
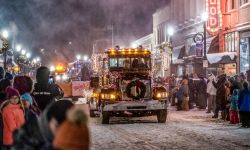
(183, 130)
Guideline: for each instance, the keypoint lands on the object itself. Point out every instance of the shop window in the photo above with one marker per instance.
(242, 2)
(230, 42)
(244, 54)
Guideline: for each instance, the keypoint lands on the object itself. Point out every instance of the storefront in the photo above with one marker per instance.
(177, 61)
(244, 51)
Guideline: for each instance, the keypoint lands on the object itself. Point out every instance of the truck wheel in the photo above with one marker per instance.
(162, 116)
(105, 118)
(92, 113)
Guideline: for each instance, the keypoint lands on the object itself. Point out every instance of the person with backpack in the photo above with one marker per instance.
(45, 92)
(244, 106)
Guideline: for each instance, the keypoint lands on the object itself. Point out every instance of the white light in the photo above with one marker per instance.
(37, 59)
(34, 60)
(246, 65)
(204, 16)
(170, 31)
(64, 77)
(52, 68)
(5, 34)
(78, 57)
(58, 78)
(23, 52)
(85, 58)
(18, 48)
(134, 45)
(28, 55)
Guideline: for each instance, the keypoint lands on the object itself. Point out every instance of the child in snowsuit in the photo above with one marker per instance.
(234, 111)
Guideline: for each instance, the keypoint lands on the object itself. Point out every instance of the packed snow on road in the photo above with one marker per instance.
(183, 130)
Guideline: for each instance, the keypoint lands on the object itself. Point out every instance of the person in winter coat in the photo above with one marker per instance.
(221, 100)
(211, 91)
(13, 116)
(191, 88)
(234, 110)
(244, 106)
(182, 93)
(45, 92)
(24, 85)
(4, 83)
(202, 93)
(2, 73)
(73, 134)
(38, 133)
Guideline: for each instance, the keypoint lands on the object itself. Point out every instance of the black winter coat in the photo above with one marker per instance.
(46, 93)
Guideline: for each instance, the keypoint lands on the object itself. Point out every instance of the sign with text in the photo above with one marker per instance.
(214, 22)
(205, 63)
(78, 87)
(199, 50)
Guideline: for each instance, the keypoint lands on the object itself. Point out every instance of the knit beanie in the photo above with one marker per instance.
(10, 91)
(73, 134)
(26, 97)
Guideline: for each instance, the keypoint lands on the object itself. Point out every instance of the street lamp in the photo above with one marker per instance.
(5, 35)
(78, 57)
(85, 57)
(23, 52)
(28, 55)
(18, 48)
(170, 31)
(204, 18)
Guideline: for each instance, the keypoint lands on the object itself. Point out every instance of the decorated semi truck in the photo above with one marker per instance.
(125, 86)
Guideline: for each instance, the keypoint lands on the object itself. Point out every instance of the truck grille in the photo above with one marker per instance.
(136, 107)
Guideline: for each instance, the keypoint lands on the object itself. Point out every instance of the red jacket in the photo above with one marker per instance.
(13, 118)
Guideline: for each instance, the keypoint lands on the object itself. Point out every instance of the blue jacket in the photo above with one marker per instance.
(244, 100)
(234, 100)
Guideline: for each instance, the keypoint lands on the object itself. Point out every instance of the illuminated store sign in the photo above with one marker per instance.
(214, 22)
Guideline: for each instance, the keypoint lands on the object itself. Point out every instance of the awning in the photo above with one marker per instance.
(222, 58)
(176, 54)
(182, 53)
(214, 45)
(192, 51)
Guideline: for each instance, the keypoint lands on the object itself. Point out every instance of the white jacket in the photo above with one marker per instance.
(210, 88)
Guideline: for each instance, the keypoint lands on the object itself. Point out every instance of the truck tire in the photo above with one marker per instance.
(105, 118)
(162, 116)
(92, 113)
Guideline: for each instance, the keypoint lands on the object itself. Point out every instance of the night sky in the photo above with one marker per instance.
(52, 24)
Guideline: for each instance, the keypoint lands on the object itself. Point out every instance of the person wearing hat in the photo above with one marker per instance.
(73, 134)
(38, 132)
(13, 116)
(45, 92)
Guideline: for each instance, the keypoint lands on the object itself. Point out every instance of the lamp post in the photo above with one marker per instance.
(170, 34)
(5, 35)
(204, 18)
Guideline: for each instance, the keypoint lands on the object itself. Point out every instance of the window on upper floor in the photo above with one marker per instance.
(231, 4)
(231, 42)
(242, 2)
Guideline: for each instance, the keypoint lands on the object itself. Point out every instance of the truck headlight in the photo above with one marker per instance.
(58, 78)
(161, 95)
(64, 77)
(112, 96)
